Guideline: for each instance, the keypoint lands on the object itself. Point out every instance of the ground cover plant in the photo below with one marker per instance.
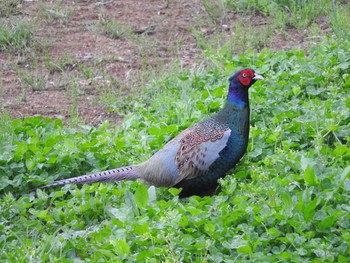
(287, 200)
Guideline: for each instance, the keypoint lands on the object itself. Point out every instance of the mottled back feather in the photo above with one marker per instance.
(199, 147)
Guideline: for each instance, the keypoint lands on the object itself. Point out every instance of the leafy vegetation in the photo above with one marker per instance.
(287, 200)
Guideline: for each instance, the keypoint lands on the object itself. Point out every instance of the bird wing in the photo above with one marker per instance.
(199, 148)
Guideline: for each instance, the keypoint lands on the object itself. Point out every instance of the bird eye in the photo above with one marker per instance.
(244, 75)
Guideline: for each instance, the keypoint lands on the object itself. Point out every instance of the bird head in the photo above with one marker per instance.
(239, 85)
(245, 77)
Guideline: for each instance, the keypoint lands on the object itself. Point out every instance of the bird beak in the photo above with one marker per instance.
(257, 76)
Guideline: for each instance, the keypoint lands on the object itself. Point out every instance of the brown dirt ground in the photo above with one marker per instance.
(164, 26)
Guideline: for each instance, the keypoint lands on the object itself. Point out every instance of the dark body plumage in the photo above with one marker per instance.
(200, 155)
(230, 117)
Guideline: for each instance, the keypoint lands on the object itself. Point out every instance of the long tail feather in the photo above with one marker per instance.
(123, 173)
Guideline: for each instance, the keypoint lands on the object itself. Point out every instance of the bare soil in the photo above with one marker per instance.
(161, 31)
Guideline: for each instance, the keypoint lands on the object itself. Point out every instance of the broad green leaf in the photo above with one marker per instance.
(141, 196)
(152, 194)
(141, 229)
(274, 232)
(326, 222)
(309, 175)
(287, 202)
(244, 249)
(209, 228)
(106, 252)
(305, 162)
(122, 248)
(174, 191)
(309, 209)
(153, 130)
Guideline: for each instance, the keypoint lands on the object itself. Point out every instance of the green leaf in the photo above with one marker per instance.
(347, 185)
(341, 149)
(342, 259)
(141, 229)
(345, 173)
(309, 176)
(245, 250)
(287, 201)
(209, 228)
(309, 209)
(42, 214)
(141, 196)
(122, 248)
(22, 147)
(4, 182)
(305, 162)
(174, 191)
(274, 232)
(326, 222)
(153, 130)
(106, 252)
(152, 194)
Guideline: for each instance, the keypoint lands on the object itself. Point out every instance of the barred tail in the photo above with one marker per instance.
(123, 173)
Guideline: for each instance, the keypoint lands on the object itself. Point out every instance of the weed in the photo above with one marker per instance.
(55, 12)
(245, 36)
(16, 36)
(35, 80)
(73, 110)
(2, 106)
(295, 13)
(58, 64)
(87, 71)
(301, 13)
(10, 7)
(340, 22)
(216, 10)
(32, 76)
(111, 27)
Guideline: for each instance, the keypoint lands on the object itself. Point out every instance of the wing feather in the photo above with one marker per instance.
(198, 150)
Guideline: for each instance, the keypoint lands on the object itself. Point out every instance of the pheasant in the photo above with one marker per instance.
(196, 158)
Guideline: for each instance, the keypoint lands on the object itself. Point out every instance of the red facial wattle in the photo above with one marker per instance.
(245, 80)
(245, 77)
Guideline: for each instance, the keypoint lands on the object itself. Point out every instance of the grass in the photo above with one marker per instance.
(300, 13)
(58, 64)
(1, 96)
(287, 200)
(215, 10)
(16, 37)
(73, 110)
(10, 7)
(295, 13)
(340, 21)
(279, 16)
(35, 81)
(112, 27)
(55, 12)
